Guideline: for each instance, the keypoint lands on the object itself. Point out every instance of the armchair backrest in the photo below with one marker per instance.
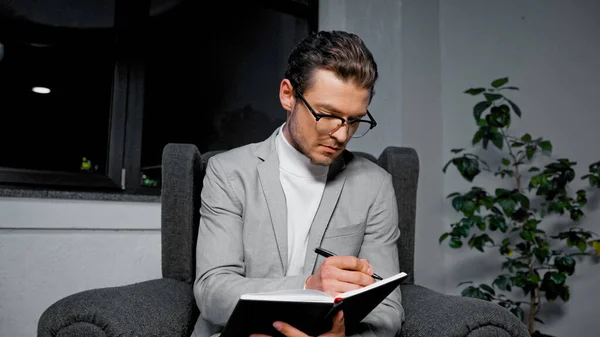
(182, 174)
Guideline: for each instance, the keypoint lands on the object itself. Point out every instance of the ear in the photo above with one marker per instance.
(286, 95)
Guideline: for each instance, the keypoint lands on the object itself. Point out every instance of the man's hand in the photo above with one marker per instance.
(338, 329)
(339, 274)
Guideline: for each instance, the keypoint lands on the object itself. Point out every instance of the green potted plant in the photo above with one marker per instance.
(514, 222)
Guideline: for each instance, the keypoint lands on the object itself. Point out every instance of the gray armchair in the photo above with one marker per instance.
(165, 307)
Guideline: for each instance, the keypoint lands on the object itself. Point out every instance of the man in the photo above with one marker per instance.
(267, 206)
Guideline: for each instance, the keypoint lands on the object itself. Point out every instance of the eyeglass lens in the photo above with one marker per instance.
(327, 125)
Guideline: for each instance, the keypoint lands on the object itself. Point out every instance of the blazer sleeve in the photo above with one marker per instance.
(220, 272)
(380, 248)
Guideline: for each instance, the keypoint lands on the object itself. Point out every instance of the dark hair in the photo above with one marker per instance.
(343, 53)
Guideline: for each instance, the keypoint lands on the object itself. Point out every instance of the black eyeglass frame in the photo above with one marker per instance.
(372, 122)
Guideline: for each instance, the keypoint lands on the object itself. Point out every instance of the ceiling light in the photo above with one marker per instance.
(41, 90)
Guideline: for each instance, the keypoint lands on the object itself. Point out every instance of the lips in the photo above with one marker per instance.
(330, 149)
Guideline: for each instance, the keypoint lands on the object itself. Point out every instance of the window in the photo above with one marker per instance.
(56, 86)
(175, 71)
(215, 84)
(56, 107)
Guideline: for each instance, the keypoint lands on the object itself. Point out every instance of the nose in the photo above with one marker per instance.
(340, 134)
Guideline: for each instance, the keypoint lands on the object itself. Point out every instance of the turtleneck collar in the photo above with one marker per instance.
(295, 162)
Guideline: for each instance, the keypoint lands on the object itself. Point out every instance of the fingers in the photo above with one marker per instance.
(338, 274)
(338, 329)
(334, 286)
(288, 330)
(354, 277)
(350, 263)
(332, 272)
(285, 329)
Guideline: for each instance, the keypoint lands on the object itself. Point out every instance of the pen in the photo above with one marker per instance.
(326, 253)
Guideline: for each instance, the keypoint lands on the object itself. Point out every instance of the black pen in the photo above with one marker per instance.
(326, 253)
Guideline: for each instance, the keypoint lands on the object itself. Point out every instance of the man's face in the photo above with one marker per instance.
(328, 95)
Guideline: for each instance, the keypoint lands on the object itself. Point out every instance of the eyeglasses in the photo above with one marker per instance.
(328, 124)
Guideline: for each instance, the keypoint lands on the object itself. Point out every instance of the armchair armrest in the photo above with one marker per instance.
(161, 307)
(429, 313)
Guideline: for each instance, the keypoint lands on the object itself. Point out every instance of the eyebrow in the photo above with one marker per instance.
(332, 109)
(328, 107)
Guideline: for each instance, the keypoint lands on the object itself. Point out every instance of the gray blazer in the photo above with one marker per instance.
(242, 237)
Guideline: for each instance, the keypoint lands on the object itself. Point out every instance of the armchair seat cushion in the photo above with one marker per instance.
(430, 313)
(162, 307)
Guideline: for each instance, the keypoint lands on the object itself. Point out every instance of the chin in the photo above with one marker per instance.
(322, 162)
(320, 159)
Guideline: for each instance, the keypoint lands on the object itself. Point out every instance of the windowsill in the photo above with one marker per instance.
(75, 195)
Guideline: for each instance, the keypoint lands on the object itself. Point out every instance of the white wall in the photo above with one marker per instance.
(551, 50)
(51, 248)
(422, 130)
(429, 52)
(369, 19)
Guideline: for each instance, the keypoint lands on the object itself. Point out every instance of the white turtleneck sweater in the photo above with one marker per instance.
(303, 184)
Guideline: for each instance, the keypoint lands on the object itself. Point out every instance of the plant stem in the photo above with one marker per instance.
(539, 302)
(533, 294)
(516, 161)
(532, 311)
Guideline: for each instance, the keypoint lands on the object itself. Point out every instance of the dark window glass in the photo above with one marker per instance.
(212, 78)
(55, 106)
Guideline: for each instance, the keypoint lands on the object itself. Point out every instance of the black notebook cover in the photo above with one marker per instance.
(312, 317)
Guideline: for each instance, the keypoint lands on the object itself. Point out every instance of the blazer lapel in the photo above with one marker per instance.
(268, 172)
(333, 188)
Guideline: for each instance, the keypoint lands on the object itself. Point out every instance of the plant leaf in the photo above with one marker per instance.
(546, 145)
(596, 245)
(446, 166)
(499, 82)
(468, 167)
(443, 237)
(515, 108)
(558, 278)
(492, 97)
(457, 203)
(528, 235)
(498, 140)
(582, 246)
(503, 282)
(530, 151)
(508, 206)
(452, 195)
(479, 108)
(478, 135)
(455, 243)
(565, 264)
(488, 289)
(474, 91)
